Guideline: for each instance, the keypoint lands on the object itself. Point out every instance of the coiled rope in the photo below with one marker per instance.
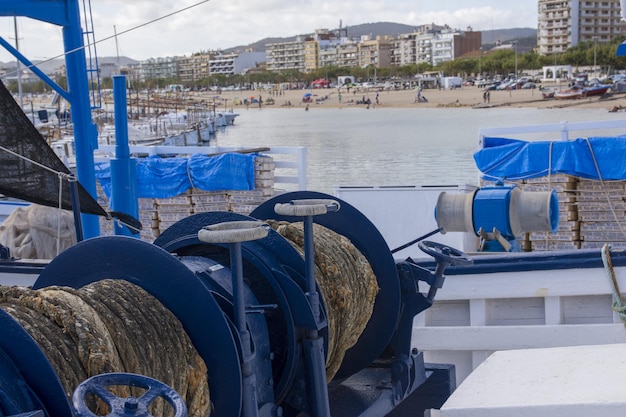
(618, 301)
(111, 326)
(346, 281)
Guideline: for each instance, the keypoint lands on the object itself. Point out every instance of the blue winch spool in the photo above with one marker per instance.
(503, 209)
(195, 285)
(27, 379)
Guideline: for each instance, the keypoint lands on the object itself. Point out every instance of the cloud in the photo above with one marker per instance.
(221, 24)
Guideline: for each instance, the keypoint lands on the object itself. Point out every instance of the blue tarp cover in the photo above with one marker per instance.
(168, 177)
(593, 158)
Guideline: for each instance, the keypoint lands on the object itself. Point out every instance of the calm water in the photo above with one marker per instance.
(356, 147)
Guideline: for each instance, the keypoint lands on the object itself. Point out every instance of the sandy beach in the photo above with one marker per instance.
(460, 97)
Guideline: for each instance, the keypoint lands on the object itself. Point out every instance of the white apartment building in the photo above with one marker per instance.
(235, 62)
(155, 68)
(442, 48)
(283, 56)
(566, 23)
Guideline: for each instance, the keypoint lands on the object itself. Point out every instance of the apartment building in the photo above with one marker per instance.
(433, 44)
(155, 68)
(194, 67)
(566, 23)
(403, 50)
(234, 62)
(284, 56)
(376, 52)
(347, 53)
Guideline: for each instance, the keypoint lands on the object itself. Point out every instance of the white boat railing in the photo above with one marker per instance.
(475, 315)
(563, 129)
(290, 162)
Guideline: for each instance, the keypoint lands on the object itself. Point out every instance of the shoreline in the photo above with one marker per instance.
(461, 97)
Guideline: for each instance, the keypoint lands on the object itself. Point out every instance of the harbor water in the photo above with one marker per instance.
(385, 146)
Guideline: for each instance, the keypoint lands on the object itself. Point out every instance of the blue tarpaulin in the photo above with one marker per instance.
(599, 158)
(168, 177)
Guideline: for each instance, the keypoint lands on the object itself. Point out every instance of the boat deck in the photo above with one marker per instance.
(557, 382)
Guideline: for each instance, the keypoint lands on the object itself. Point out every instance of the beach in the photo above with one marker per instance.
(467, 96)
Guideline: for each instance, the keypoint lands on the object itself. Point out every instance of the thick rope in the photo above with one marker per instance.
(111, 326)
(346, 281)
(618, 301)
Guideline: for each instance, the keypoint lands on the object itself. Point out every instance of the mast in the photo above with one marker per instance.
(66, 13)
(19, 66)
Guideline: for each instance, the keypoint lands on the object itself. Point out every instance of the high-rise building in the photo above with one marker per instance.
(563, 24)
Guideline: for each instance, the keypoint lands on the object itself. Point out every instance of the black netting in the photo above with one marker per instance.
(23, 179)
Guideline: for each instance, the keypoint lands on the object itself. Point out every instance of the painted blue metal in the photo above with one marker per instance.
(45, 390)
(123, 167)
(274, 272)
(65, 13)
(258, 365)
(491, 208)
(535, 261)
(175, 286)
(126, 406)
(352, 224)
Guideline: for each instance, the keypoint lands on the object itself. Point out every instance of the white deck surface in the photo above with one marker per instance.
(581, 381)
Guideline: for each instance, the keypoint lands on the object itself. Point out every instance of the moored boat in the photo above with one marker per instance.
(547, 93)
(571, 93)
(595, 90)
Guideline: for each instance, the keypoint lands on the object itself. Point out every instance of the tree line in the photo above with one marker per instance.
(488, 64)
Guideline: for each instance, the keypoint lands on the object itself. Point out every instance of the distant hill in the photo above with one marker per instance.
(489, 37)
(527, 39)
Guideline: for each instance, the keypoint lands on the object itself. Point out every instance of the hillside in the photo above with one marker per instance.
(527, 38)
(489, 37)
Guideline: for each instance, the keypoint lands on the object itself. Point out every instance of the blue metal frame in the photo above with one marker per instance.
(352, 224)
(281, 268)
(175, 286)
(44, 386)
(66, 13)
(123, 167)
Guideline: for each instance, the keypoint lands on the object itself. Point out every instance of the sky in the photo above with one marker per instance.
(222, 24)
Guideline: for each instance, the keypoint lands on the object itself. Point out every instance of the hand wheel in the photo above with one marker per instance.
(444, 253)
(126, 406)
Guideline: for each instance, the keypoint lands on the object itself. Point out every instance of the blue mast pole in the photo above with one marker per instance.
(66, 13)
(123, 167)
(85, 131)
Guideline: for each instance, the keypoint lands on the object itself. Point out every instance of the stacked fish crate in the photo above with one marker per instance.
(157, 214)
(591, 213)
(567, 235)
(147, 216)
(602, 213)
(170, 210)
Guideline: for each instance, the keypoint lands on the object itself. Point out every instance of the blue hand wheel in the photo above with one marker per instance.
(130, 406)
(444, 253)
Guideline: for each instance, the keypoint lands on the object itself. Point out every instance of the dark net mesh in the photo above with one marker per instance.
(20, 144)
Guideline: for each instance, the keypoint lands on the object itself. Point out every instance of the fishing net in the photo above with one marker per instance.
(38, 232)
(111, 326)
(30, 169)
(347, 283)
